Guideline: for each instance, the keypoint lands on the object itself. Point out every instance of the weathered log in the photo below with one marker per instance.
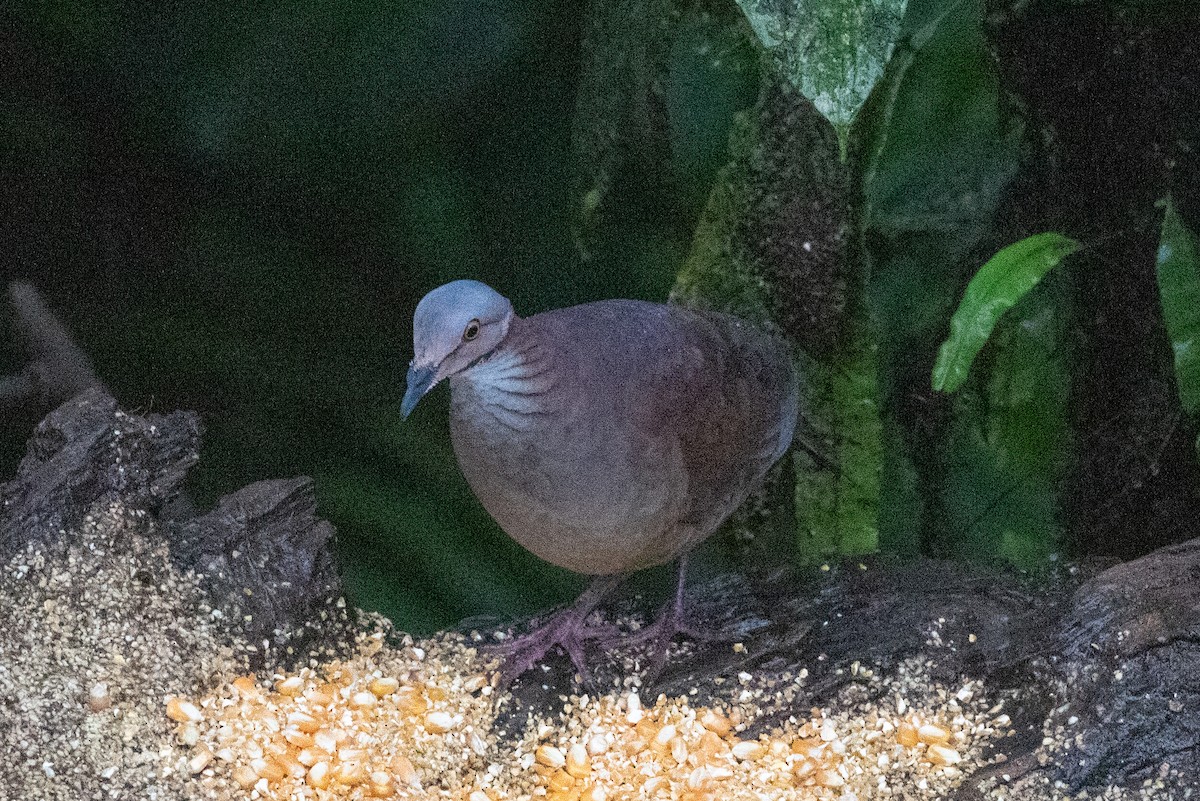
(1099, 677)
(267, 562)
(1128, 656)
(85, 451)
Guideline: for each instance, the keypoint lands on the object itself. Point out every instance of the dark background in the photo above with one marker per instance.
(235, 210)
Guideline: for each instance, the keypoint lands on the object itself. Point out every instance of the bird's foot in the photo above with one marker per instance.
(566, 629)
(671, 622)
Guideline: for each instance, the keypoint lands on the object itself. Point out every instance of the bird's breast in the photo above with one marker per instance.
(559, 475)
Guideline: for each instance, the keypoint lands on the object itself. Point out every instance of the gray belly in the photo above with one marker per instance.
(591, 502)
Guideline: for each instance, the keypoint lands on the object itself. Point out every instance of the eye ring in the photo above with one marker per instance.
(471, 331)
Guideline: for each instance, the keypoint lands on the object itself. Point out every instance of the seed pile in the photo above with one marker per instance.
(374, 726)
(616, 749)
(388, 726)
(94, 631)
(99, 631)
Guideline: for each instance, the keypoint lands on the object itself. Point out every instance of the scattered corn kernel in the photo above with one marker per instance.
(267, 769)
(200, 759)
(304, 722)
(943, 755)
(439, 722)
(679, 751)
(560, 781)
(182, 711)
(663, 739)
(830, 778)
(405, 772)
(245, 685)
(245, 776)
(748, 750)
(594, 793)
(291, 685)
(384, 686)
(352, 773)
(98, 698)
(325, 741)
(578, 764)
(715, 722)
(932, 733)
(550, 756)
(319, 776)
(381, 785)
(189, 734)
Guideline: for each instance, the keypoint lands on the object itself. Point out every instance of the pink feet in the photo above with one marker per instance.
(672, 621)
(566, 628)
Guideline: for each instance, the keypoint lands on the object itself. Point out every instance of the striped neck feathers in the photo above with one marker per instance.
(509, 385)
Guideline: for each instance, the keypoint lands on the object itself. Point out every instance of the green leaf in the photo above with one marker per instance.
(833, 51)
(934, 159)
(1000, 283)
(1009, 443)
(1179, 287)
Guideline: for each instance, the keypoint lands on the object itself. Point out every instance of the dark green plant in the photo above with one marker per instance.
(1002, 281)
(232, 219)
(1178, 263)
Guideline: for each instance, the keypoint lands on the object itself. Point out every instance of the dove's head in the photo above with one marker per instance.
(454, 327)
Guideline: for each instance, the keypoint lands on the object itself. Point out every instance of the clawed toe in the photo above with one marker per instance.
(567, 629)
(564, 630)
(570, 630)
(669, 624)
(671, 621)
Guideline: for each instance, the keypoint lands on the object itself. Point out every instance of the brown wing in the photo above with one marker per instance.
(726, 392)
(665, 420)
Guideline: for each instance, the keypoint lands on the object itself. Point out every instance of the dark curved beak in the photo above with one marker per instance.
(419, 381)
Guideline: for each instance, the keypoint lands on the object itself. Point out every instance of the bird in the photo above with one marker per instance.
(605, 438)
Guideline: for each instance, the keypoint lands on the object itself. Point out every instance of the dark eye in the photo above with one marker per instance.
(471, 331)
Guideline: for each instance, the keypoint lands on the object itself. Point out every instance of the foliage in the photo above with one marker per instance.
(1179, 283)
(1002, 281)
(832, 51)
(236, 209)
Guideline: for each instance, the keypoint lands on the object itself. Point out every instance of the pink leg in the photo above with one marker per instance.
(671, 621)
(566, 628)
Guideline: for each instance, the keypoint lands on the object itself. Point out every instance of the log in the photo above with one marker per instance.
(1097, 672)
